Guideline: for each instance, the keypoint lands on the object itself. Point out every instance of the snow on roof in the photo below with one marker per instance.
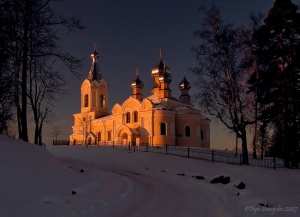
(160, 107)
(182, 108)
(154, 98)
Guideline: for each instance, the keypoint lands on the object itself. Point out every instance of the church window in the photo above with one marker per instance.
(187, 131)
(109, 135)
(86, 100)
(163, 129)
(101, 101)
(135, 116)
(89, 141)
(94, 98)
(104, 102)
(202, 135)
(128, 117)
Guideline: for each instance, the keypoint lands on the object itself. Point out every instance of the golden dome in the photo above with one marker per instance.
(137, 82)
(165, 76)
(160, 68)
(184, 84)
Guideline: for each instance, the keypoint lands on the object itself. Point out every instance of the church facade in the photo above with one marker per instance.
(159, 119)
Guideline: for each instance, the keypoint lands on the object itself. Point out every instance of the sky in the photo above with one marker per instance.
(128, 35)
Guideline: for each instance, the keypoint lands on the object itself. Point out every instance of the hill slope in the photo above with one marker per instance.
(100, 181)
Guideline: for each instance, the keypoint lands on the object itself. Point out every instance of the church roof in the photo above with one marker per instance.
(137, 82)
(160, 68)
(184, 84)
(94, 74)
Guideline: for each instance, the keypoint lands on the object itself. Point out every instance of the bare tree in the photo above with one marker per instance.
(45, 88)
(32, 26)
(6, 92)
(222, 75)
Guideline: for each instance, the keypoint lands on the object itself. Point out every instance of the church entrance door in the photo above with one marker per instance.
(124, 138)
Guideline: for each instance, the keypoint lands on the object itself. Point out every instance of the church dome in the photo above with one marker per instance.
(158, 69)
(184, 84)
(137, 82)
(165, 76)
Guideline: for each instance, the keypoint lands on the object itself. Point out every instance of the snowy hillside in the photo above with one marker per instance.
(100, 181)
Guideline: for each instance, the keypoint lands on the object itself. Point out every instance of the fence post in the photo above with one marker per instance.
(188, 152)
(166, 149)
(213, 156)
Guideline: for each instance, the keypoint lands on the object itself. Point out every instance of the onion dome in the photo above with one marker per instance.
(165, 76)
(137, 82)
(94, 74)
(160, 68)
(184, 84)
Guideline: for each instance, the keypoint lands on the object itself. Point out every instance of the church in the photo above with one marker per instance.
(156, 120)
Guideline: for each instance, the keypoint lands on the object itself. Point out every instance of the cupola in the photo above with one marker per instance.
(137, 85)
(184, 84)
(184, 87)
(158, 72)
(165, 79)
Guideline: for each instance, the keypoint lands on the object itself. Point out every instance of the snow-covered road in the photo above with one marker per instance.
(127, 192)
(127, 189)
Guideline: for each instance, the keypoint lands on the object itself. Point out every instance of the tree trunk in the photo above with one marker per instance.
(24, 134)
(244, 147)
(254, 140)
(36, 134)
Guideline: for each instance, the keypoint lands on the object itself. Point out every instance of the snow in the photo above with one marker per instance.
(102, 181)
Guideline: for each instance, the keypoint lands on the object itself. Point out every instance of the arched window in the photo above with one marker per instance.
(89, 141)
(101, 101)
(187, 131)
(163, 129)
(99, 136)
(86, 100)
(135, 116)
(202, 135)
(109, 135)
(128, 117)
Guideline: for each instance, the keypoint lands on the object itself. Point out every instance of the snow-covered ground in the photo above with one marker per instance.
(101, 181)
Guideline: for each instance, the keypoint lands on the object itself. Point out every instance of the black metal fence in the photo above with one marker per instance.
(212, 155)
(60, 142)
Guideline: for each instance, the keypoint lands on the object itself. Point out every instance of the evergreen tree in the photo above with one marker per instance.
(277, 48)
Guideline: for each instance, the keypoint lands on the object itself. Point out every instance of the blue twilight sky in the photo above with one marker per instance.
(129, 34)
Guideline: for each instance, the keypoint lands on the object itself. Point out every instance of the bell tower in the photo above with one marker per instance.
(94, 91)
